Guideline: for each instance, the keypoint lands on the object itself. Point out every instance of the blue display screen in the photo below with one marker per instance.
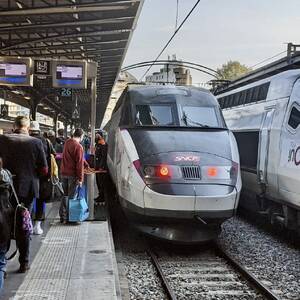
(13, 73)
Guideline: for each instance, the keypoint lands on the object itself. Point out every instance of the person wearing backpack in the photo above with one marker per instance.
(24, 156)
(6, 216)
(45, 181)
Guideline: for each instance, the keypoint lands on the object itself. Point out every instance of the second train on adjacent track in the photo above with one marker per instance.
(265, 118)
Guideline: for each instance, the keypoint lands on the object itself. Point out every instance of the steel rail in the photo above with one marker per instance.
(246, 274)
(168, 289)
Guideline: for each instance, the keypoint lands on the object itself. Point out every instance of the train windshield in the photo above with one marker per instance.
(199, 116)
(155, 115)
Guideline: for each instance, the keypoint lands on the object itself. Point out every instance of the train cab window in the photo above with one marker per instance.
(199, 116)
(154, 115)
(294, 119)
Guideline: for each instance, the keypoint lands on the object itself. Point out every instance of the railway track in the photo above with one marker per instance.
(213, 274)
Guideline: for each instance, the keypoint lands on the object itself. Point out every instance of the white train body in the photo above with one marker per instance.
(265, 118)
(147, 161)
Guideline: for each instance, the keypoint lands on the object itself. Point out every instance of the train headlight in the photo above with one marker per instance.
(226, 173)
(164, 171)
(149, 171)
(158, 171)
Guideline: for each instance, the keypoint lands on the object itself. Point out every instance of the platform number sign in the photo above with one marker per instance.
(66, 92)
(4, 110)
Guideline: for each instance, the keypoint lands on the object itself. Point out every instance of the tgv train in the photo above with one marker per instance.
(265, 119)
(174, 163)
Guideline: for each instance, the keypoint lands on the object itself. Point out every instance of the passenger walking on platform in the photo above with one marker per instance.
(101, 165)
(60, 141)
(24, 156)
(72, 166)
(51, 137)
(45, 181)
(5, 220)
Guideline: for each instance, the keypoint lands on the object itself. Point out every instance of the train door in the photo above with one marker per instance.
(289, 166)
(264, 141)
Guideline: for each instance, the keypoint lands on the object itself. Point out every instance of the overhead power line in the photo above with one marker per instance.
(176, 21)
(267, 59)
(171, 38)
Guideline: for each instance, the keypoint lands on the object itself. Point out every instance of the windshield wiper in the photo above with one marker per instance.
(186, 119)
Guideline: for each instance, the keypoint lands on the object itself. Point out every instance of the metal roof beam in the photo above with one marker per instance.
(73, 45)
(66, 36)
(70, 9)
(85, 52)
(67, 24)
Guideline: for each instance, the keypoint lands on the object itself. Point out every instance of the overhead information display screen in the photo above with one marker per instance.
(15, 73)
(69, 72)
(70, 75)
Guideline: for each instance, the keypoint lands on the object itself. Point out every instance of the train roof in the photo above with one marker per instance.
(141, 93)
(281, 85)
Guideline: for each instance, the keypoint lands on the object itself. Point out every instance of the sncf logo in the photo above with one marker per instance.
(191, 158)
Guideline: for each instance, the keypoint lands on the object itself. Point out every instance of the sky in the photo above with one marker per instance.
(218, 31)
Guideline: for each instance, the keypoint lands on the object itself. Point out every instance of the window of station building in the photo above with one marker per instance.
(294, 119)
(43, 119)
(154, 115)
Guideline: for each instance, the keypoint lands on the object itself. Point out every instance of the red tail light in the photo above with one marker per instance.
(164, 171)
(212, 172)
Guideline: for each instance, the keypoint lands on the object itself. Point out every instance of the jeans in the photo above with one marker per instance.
(70, 186)
(101, 184)
(39, 209)
(3, 249)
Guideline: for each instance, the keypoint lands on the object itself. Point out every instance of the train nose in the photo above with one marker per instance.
(188, 168)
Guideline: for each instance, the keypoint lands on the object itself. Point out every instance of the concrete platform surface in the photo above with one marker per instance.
(73, 262)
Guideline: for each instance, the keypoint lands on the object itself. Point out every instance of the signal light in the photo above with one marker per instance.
(212, 172)
(163, 171)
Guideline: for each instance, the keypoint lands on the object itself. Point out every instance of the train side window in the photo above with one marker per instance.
(294, 119)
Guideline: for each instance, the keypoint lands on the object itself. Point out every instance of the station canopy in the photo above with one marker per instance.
(99, 31)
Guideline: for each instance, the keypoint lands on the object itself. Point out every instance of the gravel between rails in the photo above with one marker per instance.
(193, 273)
(202, 274)
(274, 261)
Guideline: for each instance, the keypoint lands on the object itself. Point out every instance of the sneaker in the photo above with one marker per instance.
(37, 229)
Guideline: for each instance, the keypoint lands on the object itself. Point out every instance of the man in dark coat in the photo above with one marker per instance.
(101, 165)
(25, 158)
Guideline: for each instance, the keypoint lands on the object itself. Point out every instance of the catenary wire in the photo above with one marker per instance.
(171, 38)
(176, 21)
(267, 59)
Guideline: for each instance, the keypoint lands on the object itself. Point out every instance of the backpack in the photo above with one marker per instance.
(6, 208)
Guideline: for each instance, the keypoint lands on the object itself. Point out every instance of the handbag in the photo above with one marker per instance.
(78, 208)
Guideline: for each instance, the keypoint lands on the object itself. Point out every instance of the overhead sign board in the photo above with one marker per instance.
(15, 71)
(42, 67)
(66, 92)
(69, 74)
(4, 110)
(75, 113)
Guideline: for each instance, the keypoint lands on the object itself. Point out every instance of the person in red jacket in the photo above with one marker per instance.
(72, 167)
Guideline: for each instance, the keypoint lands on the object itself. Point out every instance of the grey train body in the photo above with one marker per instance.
(265, 118)
(176, 178)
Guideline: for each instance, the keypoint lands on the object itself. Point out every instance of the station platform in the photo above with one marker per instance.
(67, 262)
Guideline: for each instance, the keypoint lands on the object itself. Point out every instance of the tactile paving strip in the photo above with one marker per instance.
(50, 272)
